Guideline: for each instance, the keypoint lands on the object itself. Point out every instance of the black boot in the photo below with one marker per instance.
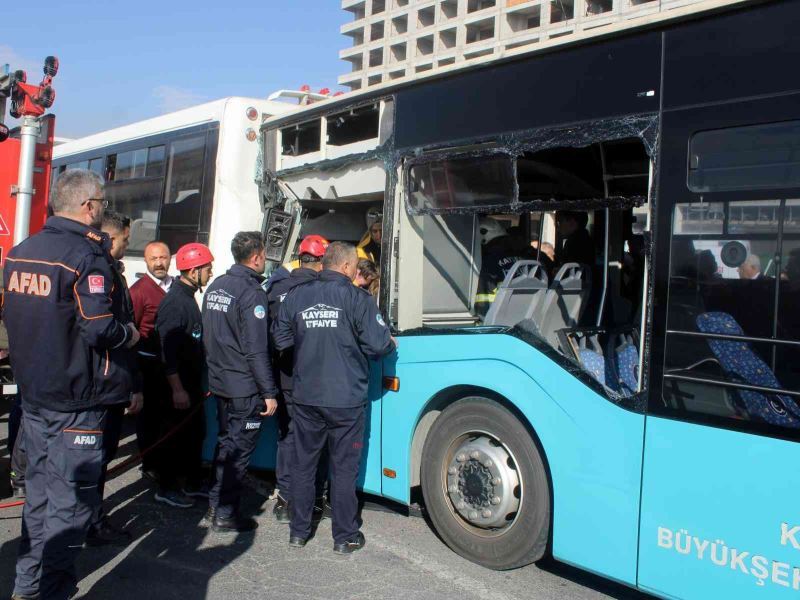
(233, 523)
(107, 535)
(357, 542)
(282, 511)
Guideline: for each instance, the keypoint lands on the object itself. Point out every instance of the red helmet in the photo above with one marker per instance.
(193, 255)
(315, 245)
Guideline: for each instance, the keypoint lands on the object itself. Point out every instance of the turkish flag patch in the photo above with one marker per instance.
(97, 284)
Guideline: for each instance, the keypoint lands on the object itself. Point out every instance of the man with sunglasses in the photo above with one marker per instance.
(68, 340)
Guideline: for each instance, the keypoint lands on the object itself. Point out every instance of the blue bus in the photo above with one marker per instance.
(590, 255)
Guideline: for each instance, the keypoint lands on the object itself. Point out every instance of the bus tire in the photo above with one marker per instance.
(485, 485)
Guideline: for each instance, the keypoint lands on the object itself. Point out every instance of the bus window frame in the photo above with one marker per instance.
(163, 138)
(726, 198)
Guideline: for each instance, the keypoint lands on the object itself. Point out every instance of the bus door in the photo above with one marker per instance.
(283, 232)
(720, 516)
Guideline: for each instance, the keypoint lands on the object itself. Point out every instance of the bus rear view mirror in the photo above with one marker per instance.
(276, 234)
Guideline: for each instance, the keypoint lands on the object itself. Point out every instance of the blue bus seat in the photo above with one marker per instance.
(623, 358)
(740, 363)
(626, 358)
(594, 364)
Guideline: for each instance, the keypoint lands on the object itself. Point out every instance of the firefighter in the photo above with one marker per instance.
(330, 388)
(311, 251)
(180, 332)
(499, 251)
(68, 343)
(370, 245)
(239, 374)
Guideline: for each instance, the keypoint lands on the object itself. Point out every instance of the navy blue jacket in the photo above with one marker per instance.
(180, 331)
(335, 328)
(237, 335)
(277, 291)
(66, 335)
(121, 296)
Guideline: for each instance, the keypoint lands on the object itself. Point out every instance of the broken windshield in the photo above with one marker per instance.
(597, 164)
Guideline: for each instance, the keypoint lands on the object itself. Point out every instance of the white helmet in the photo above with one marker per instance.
(490, 229)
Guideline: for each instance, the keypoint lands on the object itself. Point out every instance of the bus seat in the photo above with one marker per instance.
(626, 359)
(623, 357)
(519, 295)
(564, 302)
(740, 363)
(594, 364)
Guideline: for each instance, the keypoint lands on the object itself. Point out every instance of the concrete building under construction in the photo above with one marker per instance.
(394, 39)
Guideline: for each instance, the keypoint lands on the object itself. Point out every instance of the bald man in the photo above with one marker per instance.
(147, 294)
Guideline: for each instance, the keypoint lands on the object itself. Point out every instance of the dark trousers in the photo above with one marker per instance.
(239, 428)
(14, 421)
(111, 434)
(284, 461)
(65, 458)
(16, 443)
(342, 429)
(179, 458)
(157, 401)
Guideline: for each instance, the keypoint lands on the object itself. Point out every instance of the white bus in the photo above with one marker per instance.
(182, 177)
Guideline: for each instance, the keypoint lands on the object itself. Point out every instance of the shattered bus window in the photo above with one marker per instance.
(354, 125)
(300, 139)
(462, 183)
(560, 174)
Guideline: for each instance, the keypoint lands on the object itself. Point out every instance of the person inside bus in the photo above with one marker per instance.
(370, 245)
(577, 245)
(750, 268)
(707, 267)
(368, 276)
(500, 251)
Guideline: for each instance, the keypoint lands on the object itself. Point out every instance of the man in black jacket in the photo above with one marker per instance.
(311, 251)
(239, 374)
(578, 246)
(180, 331)
(69, 344)
(117, 227)
(335, 328)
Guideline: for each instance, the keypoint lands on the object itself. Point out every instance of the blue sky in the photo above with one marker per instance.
(123, 61)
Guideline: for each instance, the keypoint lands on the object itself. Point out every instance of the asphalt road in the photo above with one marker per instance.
(173, 555)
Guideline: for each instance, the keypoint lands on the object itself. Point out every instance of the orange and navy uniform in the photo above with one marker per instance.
(66, 335)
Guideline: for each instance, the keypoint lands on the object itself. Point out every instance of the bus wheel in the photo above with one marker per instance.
(485, 485)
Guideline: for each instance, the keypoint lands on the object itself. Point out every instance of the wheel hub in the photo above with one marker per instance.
(482, 483)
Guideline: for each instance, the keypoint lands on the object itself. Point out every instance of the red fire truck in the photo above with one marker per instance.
(25, 155)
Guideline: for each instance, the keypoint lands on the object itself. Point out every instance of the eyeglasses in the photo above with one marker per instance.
(103, 202)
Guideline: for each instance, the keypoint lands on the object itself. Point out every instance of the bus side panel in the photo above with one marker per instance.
(593, 447)
(720, 513)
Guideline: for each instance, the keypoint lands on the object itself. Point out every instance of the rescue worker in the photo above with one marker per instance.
(117, 227)
(146, 295)
(500, 251)
(311, 251)
(370, 245)
(180, 332)
(239, 374)
(335, 328)
(68, 345)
